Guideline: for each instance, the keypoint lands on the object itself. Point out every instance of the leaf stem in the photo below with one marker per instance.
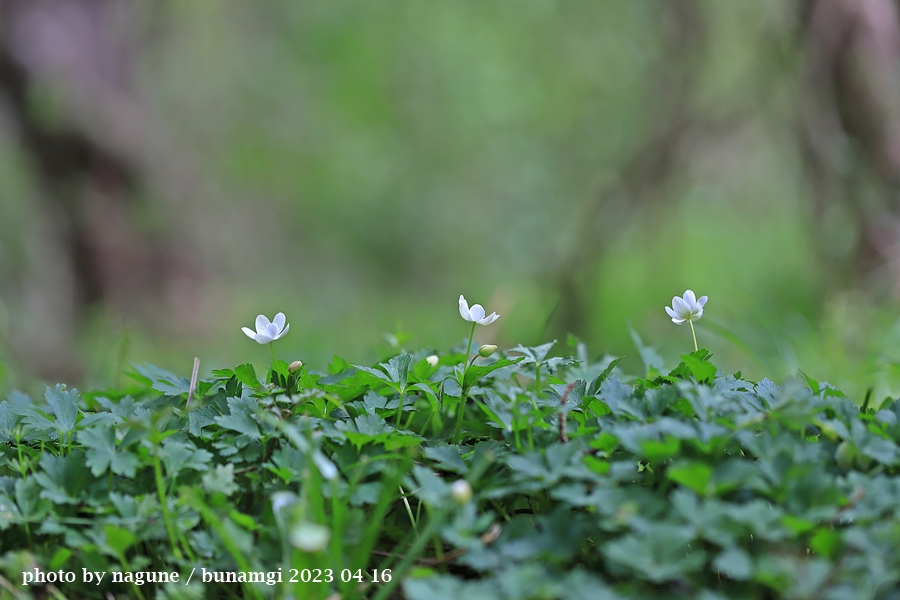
(167, 518)
(400, 408)
(412, 554)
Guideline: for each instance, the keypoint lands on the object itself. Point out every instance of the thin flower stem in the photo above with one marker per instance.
(469, 347)
(463, 392)
(272, 348)
(693, 334)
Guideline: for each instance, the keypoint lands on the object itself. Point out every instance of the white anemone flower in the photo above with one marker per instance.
(686, 308)
(476, 313)
(267, 332)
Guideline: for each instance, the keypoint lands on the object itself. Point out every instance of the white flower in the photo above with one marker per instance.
(432, 360)
(267, 332)
(476, 313)
(686, 308)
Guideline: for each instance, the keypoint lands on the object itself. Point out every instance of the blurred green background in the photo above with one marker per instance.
(170, 170)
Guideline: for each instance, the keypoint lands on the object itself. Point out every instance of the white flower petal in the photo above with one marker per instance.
(261, 323)
(262, 338)
(671, 313)
(680, 307)
(701, 302)
(284, 331)
(489, 319)
(690, 298)
(272, 331)
(678, 321)
(279, 321)
(249, 332)
(464, 309)
(477, 312)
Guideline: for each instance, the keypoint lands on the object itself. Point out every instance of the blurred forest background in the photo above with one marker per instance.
(168, 170)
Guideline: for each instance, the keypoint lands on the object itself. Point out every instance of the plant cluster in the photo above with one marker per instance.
(439, 476)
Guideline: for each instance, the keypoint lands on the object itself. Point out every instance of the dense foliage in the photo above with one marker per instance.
(585, 484)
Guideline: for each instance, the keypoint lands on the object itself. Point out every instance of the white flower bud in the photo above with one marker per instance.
(432, 360)
(295, 366)
(487, 350)
(461, 491)
(309, 537)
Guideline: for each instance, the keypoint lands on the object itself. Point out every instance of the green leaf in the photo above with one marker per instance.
(693, 475)
(398, 369)
(177, 456)
(9, 419)
(29, 500)
(102, 453)
(662, 554)
(246, 374)
(9, 513)
(552, 365)
(535, 354)
(338, 365)
(448, 458)
(162, 380)
(201, 418)
(446, 587)
(596, 465)
(118, 539)
(557, 390)
(220, 480)
(64, 405)
(280, 374)
(605, 442)
(433, 490)
(735, 564)
(655, 451)
(653, 362)
(697, 366)
(64, 479)
(379, 375)
(476, 372)
(240, 417)
(372, 425)
(826, 542)
(595, 384)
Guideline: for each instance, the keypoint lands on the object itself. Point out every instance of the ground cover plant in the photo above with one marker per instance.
(471, 473)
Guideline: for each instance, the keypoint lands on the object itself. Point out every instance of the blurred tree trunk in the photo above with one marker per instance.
(850, 132)
(640, 180)
(91, 250)
(845, 55)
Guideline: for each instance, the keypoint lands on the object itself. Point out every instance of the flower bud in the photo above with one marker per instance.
(309, 537)
(461, 491)
(432, 360)
(295, 366)
(845, 455)
(487, 350)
